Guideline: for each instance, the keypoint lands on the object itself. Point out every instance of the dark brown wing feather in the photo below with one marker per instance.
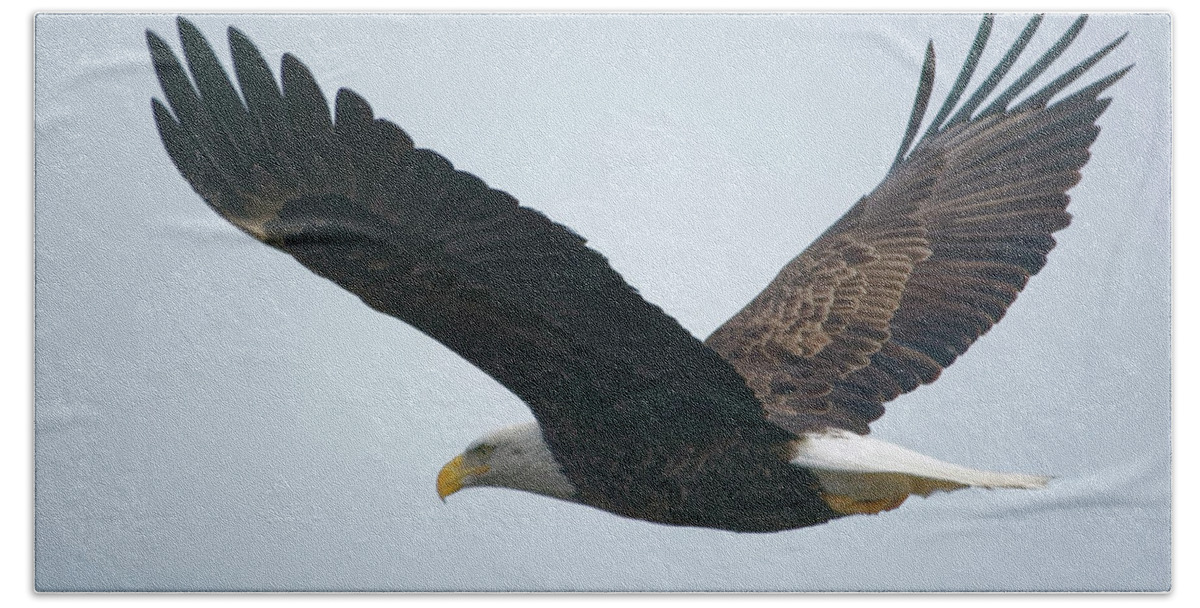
(917, 270)
(612, 379)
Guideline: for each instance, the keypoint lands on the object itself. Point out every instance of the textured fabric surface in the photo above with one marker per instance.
(212, 416)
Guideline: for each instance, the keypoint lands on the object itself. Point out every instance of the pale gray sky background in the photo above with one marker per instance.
(210, 415)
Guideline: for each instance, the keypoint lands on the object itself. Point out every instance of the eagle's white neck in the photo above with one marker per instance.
(517, 457)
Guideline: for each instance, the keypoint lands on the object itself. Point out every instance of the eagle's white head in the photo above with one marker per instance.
(512, 457)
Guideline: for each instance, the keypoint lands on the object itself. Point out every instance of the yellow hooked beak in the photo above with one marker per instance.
(450, 479)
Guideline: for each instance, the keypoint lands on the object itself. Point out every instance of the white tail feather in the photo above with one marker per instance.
(868, 470)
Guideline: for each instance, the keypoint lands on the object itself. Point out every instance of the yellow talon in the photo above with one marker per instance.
(847, 505)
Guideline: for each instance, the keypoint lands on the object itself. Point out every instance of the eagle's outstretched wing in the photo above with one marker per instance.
(517, 295)
(921, 267)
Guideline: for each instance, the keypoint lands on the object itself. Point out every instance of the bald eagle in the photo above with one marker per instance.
(761, 427)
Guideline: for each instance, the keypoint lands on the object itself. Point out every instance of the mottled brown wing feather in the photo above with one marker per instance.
(612, 380)
(919, 269)
(829, 311)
